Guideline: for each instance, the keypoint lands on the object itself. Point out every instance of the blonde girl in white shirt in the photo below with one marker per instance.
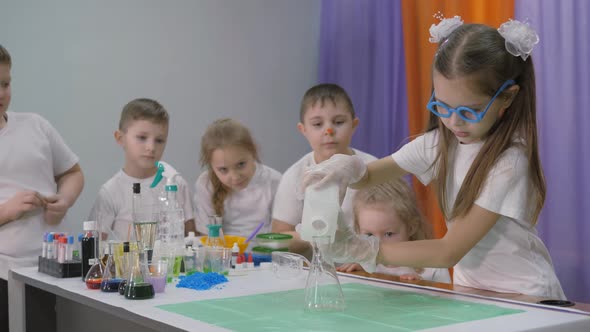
(236, 186)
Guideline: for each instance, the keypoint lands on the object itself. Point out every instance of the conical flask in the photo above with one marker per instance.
(93, 278)
(110, 282)
(322, 288)
(137, 287)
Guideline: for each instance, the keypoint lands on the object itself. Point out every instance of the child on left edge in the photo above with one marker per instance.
(40, 179)
(236, 186)
(142, 133)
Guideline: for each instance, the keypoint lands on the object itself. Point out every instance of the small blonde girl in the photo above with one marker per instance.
(389, 211)
(235, 186)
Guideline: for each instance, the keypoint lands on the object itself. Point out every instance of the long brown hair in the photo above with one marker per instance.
(220, 134)
(398, 195)
(479, 51)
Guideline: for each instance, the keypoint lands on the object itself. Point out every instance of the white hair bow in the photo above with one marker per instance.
(520, 38)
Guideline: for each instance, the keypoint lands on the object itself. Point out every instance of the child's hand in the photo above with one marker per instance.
(349, 267)
(55, 209)
(410, 277)
(22, 202)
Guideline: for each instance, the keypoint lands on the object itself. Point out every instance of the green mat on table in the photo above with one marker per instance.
(368, 308)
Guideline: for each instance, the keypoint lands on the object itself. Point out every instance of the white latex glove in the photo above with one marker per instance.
(340, 168)
(349, 247)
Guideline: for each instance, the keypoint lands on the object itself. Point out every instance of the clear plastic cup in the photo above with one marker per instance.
(217, 260)
(156, 274)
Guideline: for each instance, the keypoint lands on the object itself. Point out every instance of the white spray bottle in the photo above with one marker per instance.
(170, 237)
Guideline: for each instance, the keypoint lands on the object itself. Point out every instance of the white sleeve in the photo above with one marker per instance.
(507, 188)
(274, 186)
(103, 211)
(202, 202)
(62, 155)
(418, 156)
(287, 207)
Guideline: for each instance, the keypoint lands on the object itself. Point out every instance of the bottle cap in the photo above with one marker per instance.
(71, 239)
(80, 236)
(214, 230)
(235, 248)
(136, 188)
(50, 238)
(89, 225)
(63, 240)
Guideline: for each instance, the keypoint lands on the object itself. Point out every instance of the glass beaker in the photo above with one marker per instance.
(137, 288)
(322, 289)
(110, 281)
(217, 260)
(145, 225)
(156, 274)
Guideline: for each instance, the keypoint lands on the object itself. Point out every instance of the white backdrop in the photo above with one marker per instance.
(78, 63)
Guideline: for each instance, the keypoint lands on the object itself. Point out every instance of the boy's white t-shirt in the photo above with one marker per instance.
(511, 257)
(431, 274)
(113, 207)
(243, 210)
(32, 154)
(288, 206)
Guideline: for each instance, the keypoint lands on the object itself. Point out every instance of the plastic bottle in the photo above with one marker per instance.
(190, 240)
(171, 222)
(235, 252)
(89, 246)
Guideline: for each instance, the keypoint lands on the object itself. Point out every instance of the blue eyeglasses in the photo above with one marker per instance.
(468, 114)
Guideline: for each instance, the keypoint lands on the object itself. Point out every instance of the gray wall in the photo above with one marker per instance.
(78, 63)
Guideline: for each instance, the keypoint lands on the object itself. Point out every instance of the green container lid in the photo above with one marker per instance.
(274, 236)
(265, 250)
(213, 230)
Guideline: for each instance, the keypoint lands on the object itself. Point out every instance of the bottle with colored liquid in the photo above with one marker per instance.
(89, 246)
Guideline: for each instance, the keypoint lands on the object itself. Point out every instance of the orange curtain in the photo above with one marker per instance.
(417, 19)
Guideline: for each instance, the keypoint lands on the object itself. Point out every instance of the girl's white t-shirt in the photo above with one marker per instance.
(511, 257)
(32, 154)
(244, 210)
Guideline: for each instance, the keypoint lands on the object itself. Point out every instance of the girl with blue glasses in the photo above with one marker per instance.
(480, 151)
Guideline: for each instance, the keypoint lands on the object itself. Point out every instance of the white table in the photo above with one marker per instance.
(144, 314)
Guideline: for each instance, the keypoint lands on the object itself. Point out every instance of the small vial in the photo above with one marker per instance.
(50, 247)
(250, 261)
(235, 252)
(70, 248)
(61, 249)
(76, 250)
(44, 248)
